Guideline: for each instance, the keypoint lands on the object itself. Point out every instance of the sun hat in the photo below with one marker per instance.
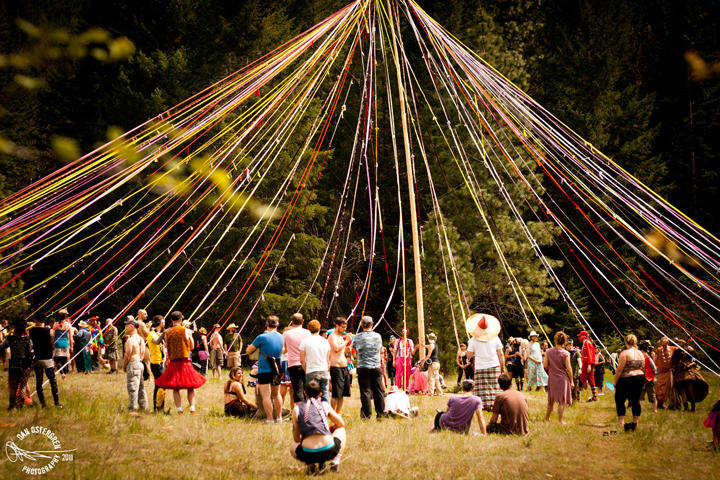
(483, 327)
(232, 325)
(202, 331)
(83, 323)
(533, 334)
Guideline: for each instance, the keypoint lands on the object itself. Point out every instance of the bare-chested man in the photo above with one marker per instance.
(217, 351)
(143, 327)
(133, 366)
(339, 375)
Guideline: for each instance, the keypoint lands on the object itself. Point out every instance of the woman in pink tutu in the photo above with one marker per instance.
(180, 374)
(560, 376)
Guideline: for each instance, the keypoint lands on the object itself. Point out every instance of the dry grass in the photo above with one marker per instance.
(111, 444)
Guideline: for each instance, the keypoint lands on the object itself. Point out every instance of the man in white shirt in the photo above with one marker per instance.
(292, 337)
(315, 357)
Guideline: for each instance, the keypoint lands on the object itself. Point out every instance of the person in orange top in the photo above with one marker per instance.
(663, 362)
(179, 375)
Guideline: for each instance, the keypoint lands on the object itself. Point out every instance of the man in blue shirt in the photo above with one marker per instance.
(270, 346)
(368, 344)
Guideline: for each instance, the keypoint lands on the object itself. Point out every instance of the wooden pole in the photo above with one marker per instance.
(411, 191)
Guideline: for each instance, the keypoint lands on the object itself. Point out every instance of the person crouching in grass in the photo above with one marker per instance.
(460, 411)
(313, 441)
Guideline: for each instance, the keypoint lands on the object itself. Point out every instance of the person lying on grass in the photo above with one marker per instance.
(460, 411)
(313, 441)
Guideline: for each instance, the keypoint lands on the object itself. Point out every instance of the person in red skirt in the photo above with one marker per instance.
(180, 374)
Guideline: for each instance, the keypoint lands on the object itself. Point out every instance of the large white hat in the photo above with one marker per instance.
(483, 327)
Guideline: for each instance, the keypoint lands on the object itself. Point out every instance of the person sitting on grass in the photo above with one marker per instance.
(460, 411)
(512, 408)
(237, 404)
(313, 441)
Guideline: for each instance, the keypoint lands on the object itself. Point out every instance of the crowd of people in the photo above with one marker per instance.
(317, 367)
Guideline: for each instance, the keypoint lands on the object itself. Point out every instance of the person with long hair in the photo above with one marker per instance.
(629, 382)
(237, 404)
(663, 362)
(461, 359)
(560, 376)
(537, 376)
(20, 362)
(313, 441)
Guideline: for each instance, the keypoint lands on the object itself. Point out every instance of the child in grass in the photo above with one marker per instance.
(713, 422)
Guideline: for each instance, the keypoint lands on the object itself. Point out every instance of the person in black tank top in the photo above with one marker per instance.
(313, 441)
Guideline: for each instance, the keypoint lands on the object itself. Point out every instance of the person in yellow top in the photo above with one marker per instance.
(179, 374)
(157, 358)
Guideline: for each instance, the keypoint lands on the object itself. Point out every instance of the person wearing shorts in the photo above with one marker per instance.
(269, 345)
(292, 337)
(340, 378)
(217, 351)
(233, 346)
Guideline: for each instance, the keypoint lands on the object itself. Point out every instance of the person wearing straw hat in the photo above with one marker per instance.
(433, 366)
(486, 349)
(234, 346)
(83, 362)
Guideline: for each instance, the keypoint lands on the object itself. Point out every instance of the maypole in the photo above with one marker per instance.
(411, 188)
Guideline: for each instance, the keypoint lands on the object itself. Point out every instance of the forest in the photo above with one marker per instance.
(639, 80)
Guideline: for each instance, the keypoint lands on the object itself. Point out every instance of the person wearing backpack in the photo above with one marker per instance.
(269, 344)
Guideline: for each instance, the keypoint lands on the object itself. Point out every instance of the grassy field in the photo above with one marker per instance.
(111, 444)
